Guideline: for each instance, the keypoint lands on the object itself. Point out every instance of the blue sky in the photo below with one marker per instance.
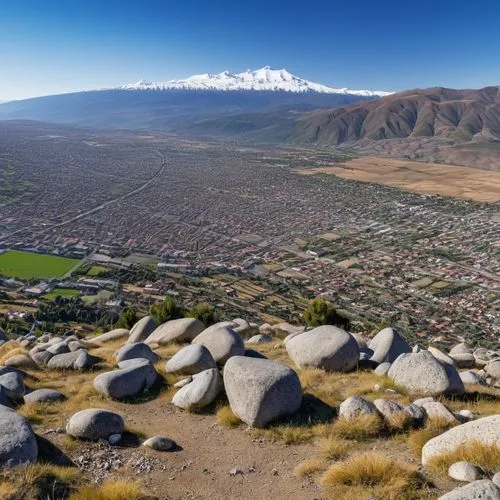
(49, 46)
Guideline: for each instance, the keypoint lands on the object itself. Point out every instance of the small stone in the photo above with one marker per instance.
(114, 439)
(183, 382)
(235, 472)
(160, 443)
(464, 471)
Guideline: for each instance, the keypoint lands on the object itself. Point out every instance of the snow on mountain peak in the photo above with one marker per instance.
(263, 79)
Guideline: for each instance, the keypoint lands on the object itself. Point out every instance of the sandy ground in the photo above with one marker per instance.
(427, 178)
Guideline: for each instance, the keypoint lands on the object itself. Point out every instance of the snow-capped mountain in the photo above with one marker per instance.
(265, 78)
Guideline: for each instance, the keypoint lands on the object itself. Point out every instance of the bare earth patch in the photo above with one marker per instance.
(427, 178)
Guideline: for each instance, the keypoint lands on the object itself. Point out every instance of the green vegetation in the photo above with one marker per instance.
(127, 319)
(165, 311)
(205, 313)
(27, 265)
(97, 271)
(61, 292)
(321, 312)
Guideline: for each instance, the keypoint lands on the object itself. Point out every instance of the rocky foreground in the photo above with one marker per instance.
(273, 378)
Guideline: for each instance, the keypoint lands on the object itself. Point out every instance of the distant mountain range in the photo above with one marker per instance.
(177, 104)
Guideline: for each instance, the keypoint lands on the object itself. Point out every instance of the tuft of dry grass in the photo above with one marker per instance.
(433, 428)
(399, 422)
(7, 490)
(226, 417)
(288, 434)
(10, 350)
(486, 456)
(361, 428)
(37, 412)
(333, 448)
(109, 490)
(368, 474)
(309, 467)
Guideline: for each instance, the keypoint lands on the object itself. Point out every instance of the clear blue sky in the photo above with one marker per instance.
(49, 46)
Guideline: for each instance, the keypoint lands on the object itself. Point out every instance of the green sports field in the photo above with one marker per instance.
(27, 265)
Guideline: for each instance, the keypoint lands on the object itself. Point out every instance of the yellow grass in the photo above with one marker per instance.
(109, 490)
(368, 474)
(399, 422)
(226, 417)
(433, 428)
(360, 428)
(288, 434)
(486, 456)
(309, 467)
(333, 448)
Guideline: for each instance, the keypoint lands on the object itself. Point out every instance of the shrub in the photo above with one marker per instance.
(205, 313)
(166, 311)
(308, 467)
(321, 312)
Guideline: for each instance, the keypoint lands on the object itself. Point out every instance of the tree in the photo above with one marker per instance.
(165, 311)
(128, 318)
(321, 312)
(205, 313)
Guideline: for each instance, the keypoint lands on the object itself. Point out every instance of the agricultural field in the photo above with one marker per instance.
(61, 292)
(27, 265)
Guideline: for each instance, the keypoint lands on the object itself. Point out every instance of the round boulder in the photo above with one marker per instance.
(134, 351)
(13, 384)
(260, 390)
(17, 440)
(191, 359)
(44, 396)
(387, 345)
(222, 342)
(160, 443)
(176, 330)
(94, 424)
(326, 347)
(356, 406)
(200, 392)
(422, 372)
(464, 471)
(142, 330)
(484, 489)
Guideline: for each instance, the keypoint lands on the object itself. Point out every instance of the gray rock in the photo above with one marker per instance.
(496, 479)
(4, 399)
(416, 413)
(464, 471)
(17, 440)
(265, 329)
(242, 327)
(59, 348)
(222, 342)
(291, 336)
(383, 368)
(128, 381)
(251, 353)
(115, 439)
(133, 351)
(183, 382)
(160, 443)
(492, 370)
(44, 396)
(94, 424)
(436, 410)
(465, 415)
(463, 360)
(422, 372)
(3, 336)
(460, 349)
(20, 361)
(13, 383)
(77, 360)
(356, 406)
(483, 489)
(422, 401)
(260, 339)
(118, 333)
(483, 356)
(469, 377)
(387, 345)
(388, 408)
(191, 359)
(486, 430)
(176, 330)
(326, 347)
(74, 345)
(361, 340)
(142, 330)
(260, 390)
(202, 391)
(440, 355)
(287, 328)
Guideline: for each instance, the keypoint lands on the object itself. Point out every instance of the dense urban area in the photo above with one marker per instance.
(149, 216)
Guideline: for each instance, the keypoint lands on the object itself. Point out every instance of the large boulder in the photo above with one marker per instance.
(20, 361)
(142, 330)
(44, 396)
(492, 370)
(483, 489)
(200, 392)
(77, 360)
(191, 359)
(42, 357)
(436, 410)
(17, 440)
(176, 330)
(356, 406)
(13, 384)
(260, 390)
(130, 380)
(59, 348)
(134, 351)
(94, 424)
(486, 430)
(422, 372)
(118, 333)
(222, 342)
(387, 345)
(326, 347)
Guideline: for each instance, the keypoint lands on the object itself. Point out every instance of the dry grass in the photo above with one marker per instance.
(38, 412)
(309, 467)
(433, 428)
(226, 417)
(333, 448)
(486, 456)
(288, 434)
(368, 474)
(10, 350)
(109, 490)
(399, 422)
(361, 428)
